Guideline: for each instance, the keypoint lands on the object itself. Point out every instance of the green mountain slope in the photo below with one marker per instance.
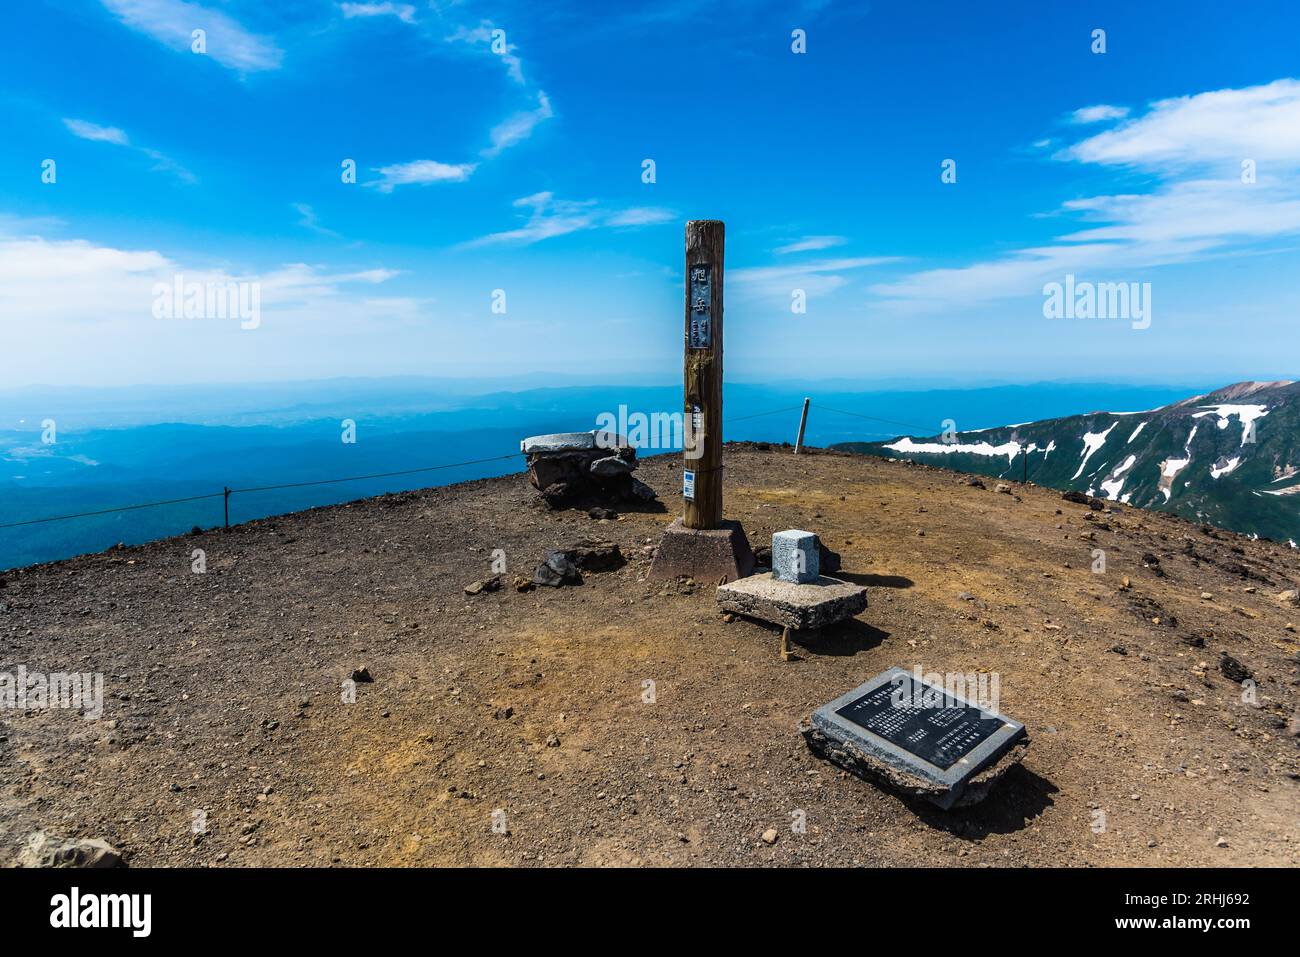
(1229, 458)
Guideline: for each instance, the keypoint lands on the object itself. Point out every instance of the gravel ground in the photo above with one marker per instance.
(626, 722)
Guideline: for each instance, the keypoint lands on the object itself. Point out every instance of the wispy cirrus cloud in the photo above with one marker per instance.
(518, 127)
(117, 137)
(820, 276)
(482, 36)
(511, 131)
(96, 133)
(420, 173)
(1098, 114)
(640, 216)
(810, 244)
(1196, 147)
(549, 217)
(402, 11)
(173, 22)
(307, 219)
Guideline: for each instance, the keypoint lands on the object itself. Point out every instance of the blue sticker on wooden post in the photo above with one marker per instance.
(688, 484)
(701, 335)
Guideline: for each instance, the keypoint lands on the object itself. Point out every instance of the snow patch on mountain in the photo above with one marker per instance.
(1289, 490)
(1246, 414)
(1141, 426)
(1092, 441)
(906, 445)
(1227, 467)
(1113, 486)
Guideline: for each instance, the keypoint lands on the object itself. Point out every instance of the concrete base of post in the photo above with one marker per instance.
(710, 555)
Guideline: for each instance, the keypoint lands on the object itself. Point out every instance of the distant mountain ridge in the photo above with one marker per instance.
(1229, 458)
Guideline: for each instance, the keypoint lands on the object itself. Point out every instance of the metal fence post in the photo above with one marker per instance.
(803, 421)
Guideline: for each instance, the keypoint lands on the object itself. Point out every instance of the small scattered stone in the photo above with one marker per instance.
(1233, 669)
(770, 836)
(489, 584)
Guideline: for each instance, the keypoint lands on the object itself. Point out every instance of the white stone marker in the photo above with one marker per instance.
(795, 557)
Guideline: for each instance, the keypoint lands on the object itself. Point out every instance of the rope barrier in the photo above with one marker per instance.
(226, 493)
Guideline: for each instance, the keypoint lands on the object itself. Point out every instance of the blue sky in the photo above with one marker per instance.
(520, 169)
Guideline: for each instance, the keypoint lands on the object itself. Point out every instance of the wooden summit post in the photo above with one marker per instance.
(702, 376)
(702, 544)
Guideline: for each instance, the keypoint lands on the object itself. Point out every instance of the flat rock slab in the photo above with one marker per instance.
(918, 739)
(812, 605)
(572, 442)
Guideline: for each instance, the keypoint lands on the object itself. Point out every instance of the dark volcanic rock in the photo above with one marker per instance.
(1233, 669)
(557, 569)
(597, 556)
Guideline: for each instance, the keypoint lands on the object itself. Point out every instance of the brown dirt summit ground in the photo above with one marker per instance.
(223, 689)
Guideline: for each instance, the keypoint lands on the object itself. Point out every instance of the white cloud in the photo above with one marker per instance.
(821, 276)
(420, 173)
(519, 126)
(403, 11)
(516, 127)
(172, 22)
(101, 134)
(640, 216)
(117, 137)
(482, 35)
(1194, 147)
(549, 217)
(78, 281)
(80, 311)
(1098, 114)
(809, 244)
(307, 219)
(1222, 126)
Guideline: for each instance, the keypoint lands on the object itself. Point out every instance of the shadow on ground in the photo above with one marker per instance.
(1013, 802)
(875, 581)
(846, 638)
